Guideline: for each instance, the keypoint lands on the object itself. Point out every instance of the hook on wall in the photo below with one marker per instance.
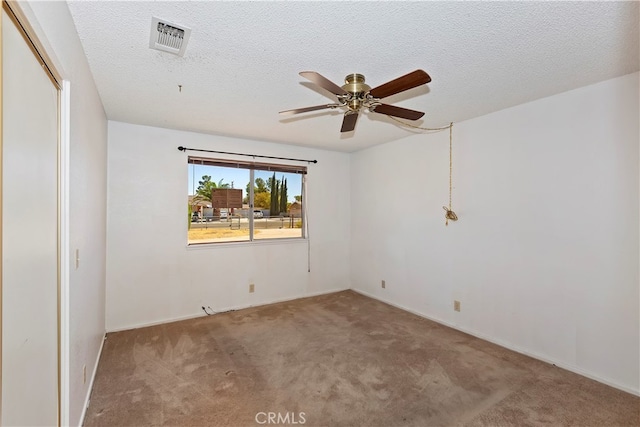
(450, 215)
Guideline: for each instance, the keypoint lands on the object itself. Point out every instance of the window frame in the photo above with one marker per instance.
(252, 167)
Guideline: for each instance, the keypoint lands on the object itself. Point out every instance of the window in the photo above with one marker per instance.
(231, 201)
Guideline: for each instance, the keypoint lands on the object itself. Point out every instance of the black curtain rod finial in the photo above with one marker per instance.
(181, 148)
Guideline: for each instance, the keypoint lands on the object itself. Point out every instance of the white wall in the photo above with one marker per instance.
(151, 274)
(544, 257)
(87, 199)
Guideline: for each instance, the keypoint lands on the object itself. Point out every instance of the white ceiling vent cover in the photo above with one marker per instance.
(168, 37)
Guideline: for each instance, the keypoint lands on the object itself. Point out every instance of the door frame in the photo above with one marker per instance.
(23, 17)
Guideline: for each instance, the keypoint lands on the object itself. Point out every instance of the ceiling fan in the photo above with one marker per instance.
(355, 94)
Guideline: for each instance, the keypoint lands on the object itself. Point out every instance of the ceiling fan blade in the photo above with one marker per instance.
(408, 81)
(392, 110)
(307, 109)
(323, 82)
(349, 122)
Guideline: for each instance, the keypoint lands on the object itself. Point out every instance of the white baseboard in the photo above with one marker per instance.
(93, 377)
(224, 309)
(509, 346)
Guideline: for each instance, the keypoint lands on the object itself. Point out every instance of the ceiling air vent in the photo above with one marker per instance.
(168, 37)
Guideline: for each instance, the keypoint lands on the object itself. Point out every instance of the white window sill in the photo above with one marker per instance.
(257, 242)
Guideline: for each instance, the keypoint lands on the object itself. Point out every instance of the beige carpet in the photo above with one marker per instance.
(336, 360)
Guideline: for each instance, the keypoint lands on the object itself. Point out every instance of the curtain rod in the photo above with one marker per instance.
(248, 155)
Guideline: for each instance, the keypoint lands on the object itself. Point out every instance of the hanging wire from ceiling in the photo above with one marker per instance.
(450, 215)
(419, 127)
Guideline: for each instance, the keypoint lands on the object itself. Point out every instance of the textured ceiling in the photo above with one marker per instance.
(242, 61)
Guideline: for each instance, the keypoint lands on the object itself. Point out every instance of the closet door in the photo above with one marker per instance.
(30, 306)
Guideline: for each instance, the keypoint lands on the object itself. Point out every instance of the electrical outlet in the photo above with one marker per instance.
(84, 374)
(252, 288)
(456, 305)
(384, 284)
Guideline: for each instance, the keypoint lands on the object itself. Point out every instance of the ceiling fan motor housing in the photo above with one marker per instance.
(357, 88)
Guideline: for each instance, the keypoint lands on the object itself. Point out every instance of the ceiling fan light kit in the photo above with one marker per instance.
(355, 95)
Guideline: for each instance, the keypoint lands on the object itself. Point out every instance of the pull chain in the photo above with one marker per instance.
(450, 215)
(450, 160)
